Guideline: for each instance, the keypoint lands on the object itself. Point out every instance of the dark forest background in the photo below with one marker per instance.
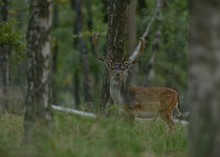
(76, 73)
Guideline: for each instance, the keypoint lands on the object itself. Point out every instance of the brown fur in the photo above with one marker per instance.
(145, 102)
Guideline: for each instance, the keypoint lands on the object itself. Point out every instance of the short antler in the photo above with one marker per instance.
(95, 38)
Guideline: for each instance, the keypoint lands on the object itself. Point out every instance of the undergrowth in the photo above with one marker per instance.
(73, 136)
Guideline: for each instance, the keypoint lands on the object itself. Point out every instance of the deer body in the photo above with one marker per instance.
(142, 102)
(145, 102)
(152, 101)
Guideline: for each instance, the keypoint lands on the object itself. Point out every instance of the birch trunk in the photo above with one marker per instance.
(38, 98)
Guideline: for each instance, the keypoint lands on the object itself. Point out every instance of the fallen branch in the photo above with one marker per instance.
(183, 122)
(92, 115)
(73, 111)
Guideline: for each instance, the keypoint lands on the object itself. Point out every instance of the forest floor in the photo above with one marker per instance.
(74, 136)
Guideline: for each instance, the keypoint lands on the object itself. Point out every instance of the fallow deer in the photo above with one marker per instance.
(141, 102)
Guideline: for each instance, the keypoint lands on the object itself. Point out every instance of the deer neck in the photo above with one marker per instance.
(116, 91)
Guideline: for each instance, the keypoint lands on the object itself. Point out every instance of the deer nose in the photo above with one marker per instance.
(117, 73)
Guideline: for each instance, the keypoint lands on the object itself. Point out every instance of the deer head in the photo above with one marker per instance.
(117, 70)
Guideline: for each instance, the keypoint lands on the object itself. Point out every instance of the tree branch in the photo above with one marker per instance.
(148, 28)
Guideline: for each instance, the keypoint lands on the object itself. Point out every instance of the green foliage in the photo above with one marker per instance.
(9, 37)
(171, 61)
(13, 40)
(73, 136)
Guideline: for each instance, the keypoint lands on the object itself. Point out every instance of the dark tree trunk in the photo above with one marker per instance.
(132, 40)
(116, 39)
(82, 48)
(4, 63)
(105, 6)
(85, 59)
(38, 98)
(86, 72)
(105, 91)
(132, 27)
(142, 4)
(117, 28)
(55, 49)
(20, 14)
(76, 79)
(4, 10)
(76, 88)
(90, 24)
(4, 78)
(204, 95)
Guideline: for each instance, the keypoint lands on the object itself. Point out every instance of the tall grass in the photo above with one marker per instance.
(74, 136)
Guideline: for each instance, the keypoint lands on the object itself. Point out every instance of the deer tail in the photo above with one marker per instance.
(178, 108)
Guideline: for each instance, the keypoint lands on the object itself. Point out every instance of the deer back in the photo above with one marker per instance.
(150, 101)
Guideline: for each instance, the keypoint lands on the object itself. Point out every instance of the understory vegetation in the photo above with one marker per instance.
(74, 136)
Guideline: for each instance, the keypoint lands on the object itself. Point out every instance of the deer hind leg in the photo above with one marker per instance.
(167, 117)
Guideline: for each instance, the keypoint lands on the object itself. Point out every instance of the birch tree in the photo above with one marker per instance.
(38, 98)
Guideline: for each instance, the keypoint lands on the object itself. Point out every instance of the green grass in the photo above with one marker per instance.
(74, 136)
